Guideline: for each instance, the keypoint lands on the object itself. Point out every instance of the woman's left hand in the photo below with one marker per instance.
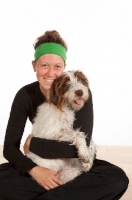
(27, 143)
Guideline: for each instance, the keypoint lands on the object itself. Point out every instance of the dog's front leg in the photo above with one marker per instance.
(83, 151)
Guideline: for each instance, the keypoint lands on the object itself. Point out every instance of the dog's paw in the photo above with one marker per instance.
(84, 155)
(86, 166)
(84, 158)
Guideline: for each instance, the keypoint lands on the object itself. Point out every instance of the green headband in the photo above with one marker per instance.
(50, 48)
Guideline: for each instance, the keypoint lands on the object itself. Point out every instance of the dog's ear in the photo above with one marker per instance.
(58, 89)
(52, 95)
(81, 77)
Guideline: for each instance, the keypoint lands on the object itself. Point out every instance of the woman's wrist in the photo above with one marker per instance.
(27, 144)
(32, 171)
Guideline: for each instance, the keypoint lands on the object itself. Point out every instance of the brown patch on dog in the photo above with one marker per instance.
(81, 77)
(59, 88)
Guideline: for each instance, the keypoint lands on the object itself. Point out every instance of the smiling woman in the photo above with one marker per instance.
(49, 59)
(32, 181)
(48, 67)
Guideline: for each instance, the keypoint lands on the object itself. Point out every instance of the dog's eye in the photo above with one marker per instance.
(66, 88)
(65, 84)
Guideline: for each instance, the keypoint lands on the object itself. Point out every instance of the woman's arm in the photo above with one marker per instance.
(53, 149)
(14, 132)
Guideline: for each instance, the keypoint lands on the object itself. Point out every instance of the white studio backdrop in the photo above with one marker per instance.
(99, 37)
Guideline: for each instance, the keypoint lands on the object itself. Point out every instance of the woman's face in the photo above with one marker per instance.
(48, 67)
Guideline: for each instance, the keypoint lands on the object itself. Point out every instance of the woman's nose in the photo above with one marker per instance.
(50, 71)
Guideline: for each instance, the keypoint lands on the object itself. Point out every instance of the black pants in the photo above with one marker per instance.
(103, 182)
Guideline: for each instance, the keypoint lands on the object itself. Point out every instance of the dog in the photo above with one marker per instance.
(54, 120)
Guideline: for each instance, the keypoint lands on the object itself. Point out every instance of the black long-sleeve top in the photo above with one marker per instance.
(24, 106)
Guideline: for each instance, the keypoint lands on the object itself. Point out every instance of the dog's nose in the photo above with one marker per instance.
(79, 93)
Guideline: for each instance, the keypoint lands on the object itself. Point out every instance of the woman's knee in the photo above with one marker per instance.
(124, 181)
(121, 179)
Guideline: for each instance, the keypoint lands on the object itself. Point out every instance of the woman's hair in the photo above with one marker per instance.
(50, 36)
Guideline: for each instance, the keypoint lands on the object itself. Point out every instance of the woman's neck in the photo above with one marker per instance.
(44, 92)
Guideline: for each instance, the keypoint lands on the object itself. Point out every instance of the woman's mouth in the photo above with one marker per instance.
(49, 80)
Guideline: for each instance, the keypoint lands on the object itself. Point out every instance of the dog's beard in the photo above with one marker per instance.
(75, 104)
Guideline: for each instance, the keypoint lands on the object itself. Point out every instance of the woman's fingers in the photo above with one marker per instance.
(53, 172)
(45, 177)
(57, 181)
(53, 181)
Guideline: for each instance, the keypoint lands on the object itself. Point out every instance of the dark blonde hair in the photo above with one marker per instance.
(50, 36)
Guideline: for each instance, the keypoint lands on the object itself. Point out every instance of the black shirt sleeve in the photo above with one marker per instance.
(14, 132)
(54, 149)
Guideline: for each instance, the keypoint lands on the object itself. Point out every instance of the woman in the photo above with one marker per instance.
(23, 179)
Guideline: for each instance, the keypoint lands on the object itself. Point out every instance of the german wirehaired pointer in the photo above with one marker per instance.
(54, 120)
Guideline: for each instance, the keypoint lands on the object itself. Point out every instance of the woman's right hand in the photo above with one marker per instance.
(45, 177)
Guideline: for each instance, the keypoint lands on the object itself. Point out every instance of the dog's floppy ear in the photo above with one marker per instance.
(52, 95)
(58, 89)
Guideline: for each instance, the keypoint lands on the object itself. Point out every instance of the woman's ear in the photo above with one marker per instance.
(34, 65)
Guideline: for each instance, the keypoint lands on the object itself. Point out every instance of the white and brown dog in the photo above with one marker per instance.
(54, 121)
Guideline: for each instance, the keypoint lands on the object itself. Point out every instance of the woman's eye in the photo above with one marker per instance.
(44, 65)
(57, 66)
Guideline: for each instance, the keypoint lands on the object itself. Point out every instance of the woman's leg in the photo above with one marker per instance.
(14, 186)
(103, 182)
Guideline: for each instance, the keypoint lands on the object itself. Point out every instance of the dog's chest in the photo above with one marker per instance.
(51, 123)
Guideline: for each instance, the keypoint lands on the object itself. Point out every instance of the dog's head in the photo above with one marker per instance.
(70, 88)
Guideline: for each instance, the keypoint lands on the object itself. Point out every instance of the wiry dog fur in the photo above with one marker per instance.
(54, 120)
